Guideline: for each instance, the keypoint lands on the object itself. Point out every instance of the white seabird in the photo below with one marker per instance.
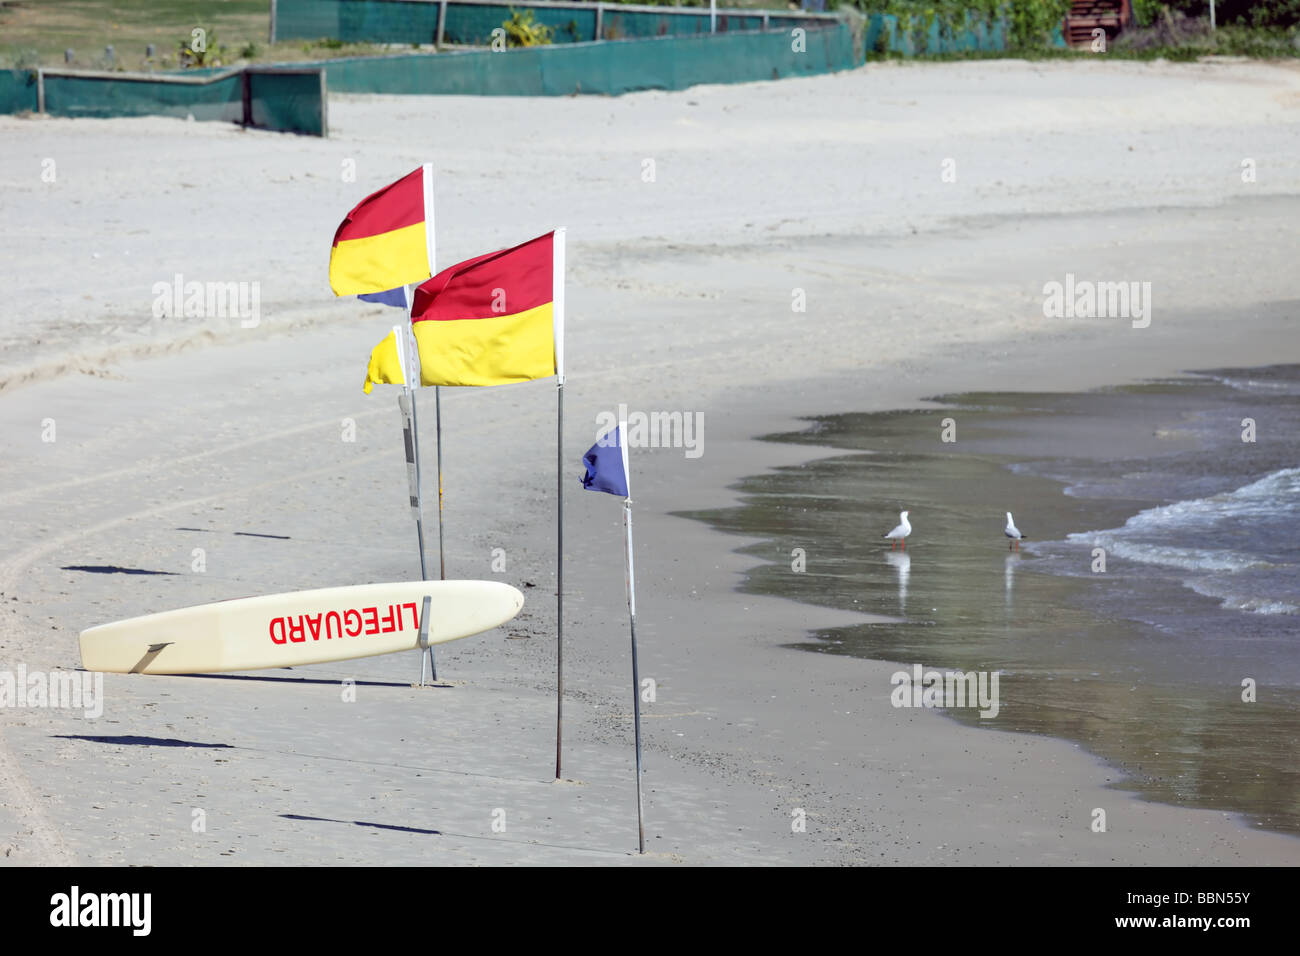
(1012, 532)
(899, 534)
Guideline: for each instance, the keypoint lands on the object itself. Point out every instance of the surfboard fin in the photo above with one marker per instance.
(149, 655)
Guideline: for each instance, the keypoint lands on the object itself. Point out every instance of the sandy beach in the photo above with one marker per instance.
(680, 299)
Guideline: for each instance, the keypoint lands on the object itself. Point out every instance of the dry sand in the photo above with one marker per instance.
(679, 299)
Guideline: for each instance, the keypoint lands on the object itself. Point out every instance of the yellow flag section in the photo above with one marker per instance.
(488, 351)
(386, 364)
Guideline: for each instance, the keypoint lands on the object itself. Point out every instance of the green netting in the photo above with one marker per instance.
(412, 21)
(393, 21)
(17, 91)
(217, 99)
(290, 101)
(292, 97)
(667, 63)
(621, 24)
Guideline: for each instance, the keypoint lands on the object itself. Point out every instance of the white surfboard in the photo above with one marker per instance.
(299, 627)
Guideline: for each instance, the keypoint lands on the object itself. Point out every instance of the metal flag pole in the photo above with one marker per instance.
(416, 378)
(437, 412)
(409, 358)
(557, 306)
(411, 436)
(559, 574)
(636, 674)
(419, 523)
(411, 432)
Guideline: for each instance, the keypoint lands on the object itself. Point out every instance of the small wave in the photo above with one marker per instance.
(1186, 559)
(1273, 495)
(1234, 601)
(1255, 385)
(1240, 581)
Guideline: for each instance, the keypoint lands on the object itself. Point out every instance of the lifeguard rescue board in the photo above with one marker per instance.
(298, 627)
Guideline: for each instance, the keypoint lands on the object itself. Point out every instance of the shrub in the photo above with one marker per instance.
(200, 49)
(522, 29)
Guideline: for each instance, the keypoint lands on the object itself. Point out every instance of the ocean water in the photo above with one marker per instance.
(1240, 547)
(1215, 554)
(1153, 613)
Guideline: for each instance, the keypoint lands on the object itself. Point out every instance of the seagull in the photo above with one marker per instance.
(900, 533)
(1012, 532)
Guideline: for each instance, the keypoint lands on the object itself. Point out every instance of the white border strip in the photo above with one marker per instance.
(428, 219)
(399, 339)
(557, 292)
(622, 444)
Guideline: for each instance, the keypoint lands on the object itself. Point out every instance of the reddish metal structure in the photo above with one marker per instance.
(1088, 15)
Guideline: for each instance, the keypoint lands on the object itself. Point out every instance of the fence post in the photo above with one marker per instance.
(40, 90)
(246, 94)
(324, 104)
(271, 33)
(600, 20)
(442, 24)
(767, 25)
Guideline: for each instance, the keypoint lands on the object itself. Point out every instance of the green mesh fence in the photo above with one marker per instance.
(466, 23)
(472, 24)
(667, 63)
(361, 21)
(105, 95)
(886, 33)
(292, 101)
(17, 91)
(292, 97)
(620, 24)
(288, 99)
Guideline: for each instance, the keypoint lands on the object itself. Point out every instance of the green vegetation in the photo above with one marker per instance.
(86, 27)
(200, 48)
(1030, 22)
(1174, 30)
(1145, 12)
(522, 29)
(1180, 30)
(36, 32)
(1191, 39)
(1240, 13)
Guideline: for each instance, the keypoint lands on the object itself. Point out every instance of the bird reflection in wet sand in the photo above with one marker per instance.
(901, 562)
(1009, 573)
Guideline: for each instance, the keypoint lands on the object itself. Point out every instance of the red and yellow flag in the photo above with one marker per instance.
(490, 320)
(387, 240)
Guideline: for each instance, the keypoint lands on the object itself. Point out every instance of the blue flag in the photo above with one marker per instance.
(606, 463)
(395, 297)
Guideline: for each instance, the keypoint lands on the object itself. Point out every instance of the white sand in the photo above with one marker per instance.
(679, 299)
